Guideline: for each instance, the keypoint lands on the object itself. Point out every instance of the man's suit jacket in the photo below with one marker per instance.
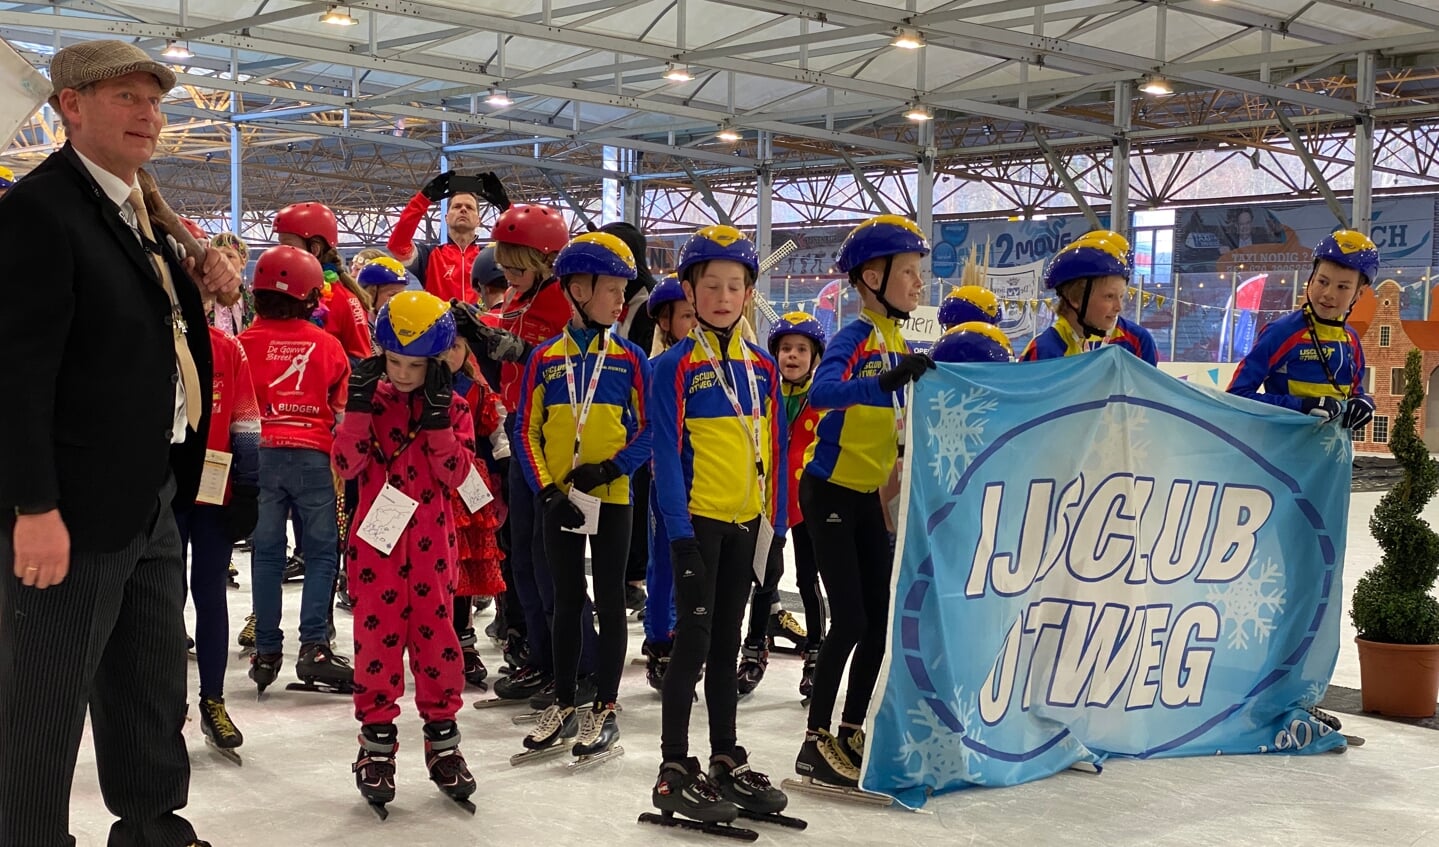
(87, 361)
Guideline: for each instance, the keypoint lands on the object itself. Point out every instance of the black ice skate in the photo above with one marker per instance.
(517, 688)
(375, 766)
(475, 670)
(825, 771)
(321, 670)
(231, 577)
(785, 633)
(246, 639)
(635, 598)
(294, 568)
(687, 799)
(599, 730)
(752, 663)
(220, 732)
(806, 675)
(554, 732)
(657, 655)
(851, 744)
(264, 669)
(751, 791)
(447, 764)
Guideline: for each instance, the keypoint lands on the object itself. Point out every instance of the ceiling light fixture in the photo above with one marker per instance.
(918, 112)
(1156, 85)
(176, 50)
(907, 39)
(498, 98)
(335, 17)
(678, 73)
(728, 133)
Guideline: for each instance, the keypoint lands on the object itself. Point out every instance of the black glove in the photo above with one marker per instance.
(437, 394)
(485, 185)
(1326, 408)
(559, 509)
(591, 476)
(910, 368)
(1358, 412)
(364, 379)
(242, 512)
(485, 341)
(439, 188)
(689, 568)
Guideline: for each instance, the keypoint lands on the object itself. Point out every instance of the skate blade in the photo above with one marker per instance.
(1354, 740)
(775, 818)
(788, 651)
(320, 687)
(463, 803)
(641, 661)
(561, 745)
(497, 702)
(526, 719)
(228, 753)
(380, 810)
(724, 830)
(589, 760)
(815, 788)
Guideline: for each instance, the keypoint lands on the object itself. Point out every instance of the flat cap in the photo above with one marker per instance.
(92, 61)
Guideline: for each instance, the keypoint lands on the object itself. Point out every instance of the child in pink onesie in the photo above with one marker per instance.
(404, 429)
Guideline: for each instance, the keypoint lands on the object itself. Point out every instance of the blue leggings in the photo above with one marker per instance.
(202, 533)
(659, 580)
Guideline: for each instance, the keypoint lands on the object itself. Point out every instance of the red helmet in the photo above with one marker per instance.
(195, 231)
(308, 220)
(289, 270)
(529, 225)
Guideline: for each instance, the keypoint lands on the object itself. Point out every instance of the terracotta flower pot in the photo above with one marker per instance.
(1399, 680)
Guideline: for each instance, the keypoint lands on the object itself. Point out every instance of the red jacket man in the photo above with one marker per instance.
(444, 269)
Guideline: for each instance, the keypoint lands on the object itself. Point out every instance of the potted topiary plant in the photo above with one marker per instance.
(1394, 611)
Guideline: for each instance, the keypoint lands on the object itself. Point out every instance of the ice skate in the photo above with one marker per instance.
(751, 791)
(635, 598)
(264, 669)
(375, 766)
(447, 764)
(806, 675)
(850, 742)
(554, 732)
(231, 578)
(475, 670)
(657, 655)
(246, 639)
(1325, 718)
(190, 648)
(752, 663)
(599, 730)
(825, 771)
(687, 799)
(220, 732)
(785, 633)
(321, 670)
(294, 568)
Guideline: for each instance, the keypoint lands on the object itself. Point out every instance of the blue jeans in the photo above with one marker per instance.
(203, 534)
(296, 479)
(659, 579)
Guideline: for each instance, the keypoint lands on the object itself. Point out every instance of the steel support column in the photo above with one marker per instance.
(237, 209)
(1361, 212)
(764, 209)
(1119, 160)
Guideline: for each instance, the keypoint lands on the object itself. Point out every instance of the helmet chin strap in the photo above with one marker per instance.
(589, 322)
(889, 309)
(1085, 327)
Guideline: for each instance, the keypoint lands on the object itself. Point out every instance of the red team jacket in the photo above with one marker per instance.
(301, 382)
(444, 269)
(537, 315)
(801, 435)
(347, 321)
(234, 414)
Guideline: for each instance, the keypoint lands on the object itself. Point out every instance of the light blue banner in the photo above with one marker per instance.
(1100, 560)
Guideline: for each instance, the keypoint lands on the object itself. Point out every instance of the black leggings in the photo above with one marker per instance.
(709, 609)
(609, 549)
(853, 558)
(765, 596)
(639, 560)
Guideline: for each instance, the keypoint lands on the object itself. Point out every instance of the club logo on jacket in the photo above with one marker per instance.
(297, 353)
(701, 380)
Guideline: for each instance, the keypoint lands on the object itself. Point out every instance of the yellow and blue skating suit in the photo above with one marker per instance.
(1285, 364)
(1062, 340)
(704, 462)
(617, 427)
(856, 444)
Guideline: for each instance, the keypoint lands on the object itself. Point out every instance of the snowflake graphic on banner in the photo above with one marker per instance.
(940, 752)
(1336, 443)
(1313, 695)
(1250, 603)
(1120, 442)
(956, 431)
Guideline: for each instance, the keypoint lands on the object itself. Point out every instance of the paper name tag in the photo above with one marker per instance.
(214, 478)
(474, 491)
(763, 538)
(387, 518)
(589, 506)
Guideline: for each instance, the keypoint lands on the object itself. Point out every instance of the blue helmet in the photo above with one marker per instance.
(882, 235)
(381, 271)
(668, 291)
(718, 242)
(415, 323)
(1351, 249)
(1094, 254)
(970, 303)
(797, 323)
(974, 341)
(486, 272)
(598, 254)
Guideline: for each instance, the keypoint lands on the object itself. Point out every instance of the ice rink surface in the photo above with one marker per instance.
(296, 787)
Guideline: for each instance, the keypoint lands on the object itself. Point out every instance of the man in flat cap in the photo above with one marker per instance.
(104, 409)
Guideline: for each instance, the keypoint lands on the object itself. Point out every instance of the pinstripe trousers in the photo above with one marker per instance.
(110, 637)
